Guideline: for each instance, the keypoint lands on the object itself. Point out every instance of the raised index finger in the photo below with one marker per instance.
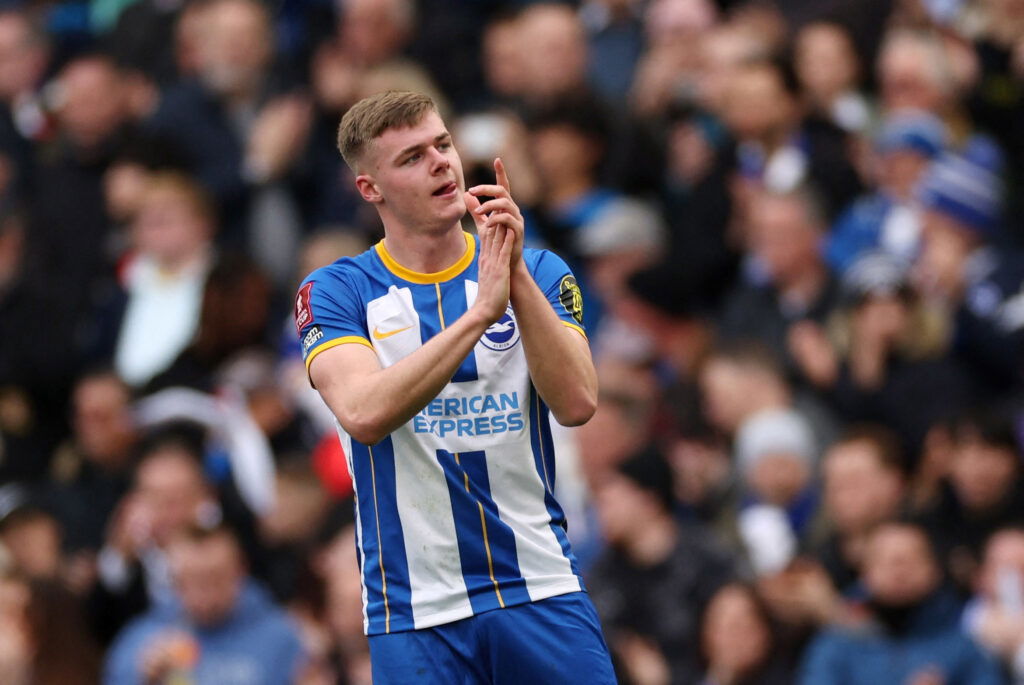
(501, 174)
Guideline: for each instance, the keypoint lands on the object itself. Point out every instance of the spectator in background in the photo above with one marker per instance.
(170, 492)
(30, 534)
(172, 240)
(776, 458)
(242, 130)
(914, 72)
(24, 119)
(778, 148)
(671, 68)
(553, 54)
(45, 639)
(500, 57)
(863, 485)
(830, 74)
(740, 641)
(983, 286)
(220, 628)
(615, 41)
(994, 617)
(655, 580)
(784, 236)
(888, 219)
(91, 472)
(984, 491)
(889, 359)
(67, 243)
(911, 634)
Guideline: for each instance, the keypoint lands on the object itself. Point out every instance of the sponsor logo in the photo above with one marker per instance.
(380, 335)
(303, 310)
(571, 298)
(503, 333)
(315, 333)
(471, 415)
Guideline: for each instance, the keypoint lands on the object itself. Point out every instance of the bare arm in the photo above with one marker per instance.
(558, 357)
(371, 401)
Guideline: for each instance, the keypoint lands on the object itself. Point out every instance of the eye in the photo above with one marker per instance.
(446, 145)
(412, 159)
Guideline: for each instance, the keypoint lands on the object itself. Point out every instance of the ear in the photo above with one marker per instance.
(367, 187)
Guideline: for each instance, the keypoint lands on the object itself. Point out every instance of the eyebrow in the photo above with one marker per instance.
(440, 137)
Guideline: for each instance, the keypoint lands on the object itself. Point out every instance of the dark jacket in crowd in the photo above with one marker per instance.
(927, 639)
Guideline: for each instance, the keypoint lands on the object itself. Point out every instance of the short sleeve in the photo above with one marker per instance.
(558, 284)
(328, 313)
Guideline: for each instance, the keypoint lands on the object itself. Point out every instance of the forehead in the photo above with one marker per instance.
(394, 140)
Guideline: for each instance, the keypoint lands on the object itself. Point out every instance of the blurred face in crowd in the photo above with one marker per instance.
(102, 420)
(623, 508)
(783, 236)
(373, 31)
(553, 51)
(234, 46)
(899, 568)
(910, 76)
(778, 478)
(344, 593)
(757, 106)
(946, 245)
(207, 576)
(170, 490)
(724, 49)
(735, 635)
(502, 58)
(826, 63)
(900, 170)
(668, 22)
(33, 540)
(617, 429)
(169, 226)
(562, 153)
(1004, 559)
(860, 491)
(124, 184)
(23, 57)
(725, 387)
(982, 474)
(91, 101)
(700, 468)
(415, 174)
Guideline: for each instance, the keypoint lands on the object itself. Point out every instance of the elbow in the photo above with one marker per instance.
(578, 412)
(364, 429)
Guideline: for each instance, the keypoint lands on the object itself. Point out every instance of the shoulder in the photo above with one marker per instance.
(347, 273)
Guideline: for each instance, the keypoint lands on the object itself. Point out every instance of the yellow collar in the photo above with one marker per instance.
(438, 277)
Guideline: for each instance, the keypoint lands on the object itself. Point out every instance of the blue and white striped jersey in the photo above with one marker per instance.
(454, 510)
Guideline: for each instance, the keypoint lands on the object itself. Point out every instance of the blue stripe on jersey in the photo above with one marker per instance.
(386, 576)
(453, 296)
(438, 305)
(486, 543)
(544, 458)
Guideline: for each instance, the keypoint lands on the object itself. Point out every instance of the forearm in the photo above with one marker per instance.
(372, 405)
(558, 358)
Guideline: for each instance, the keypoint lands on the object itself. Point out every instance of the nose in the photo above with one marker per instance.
(439, 162)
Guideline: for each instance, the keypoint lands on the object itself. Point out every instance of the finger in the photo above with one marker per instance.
(501, 204)
(473, 205)
(502, 175)
(491, 190)
(506, 246)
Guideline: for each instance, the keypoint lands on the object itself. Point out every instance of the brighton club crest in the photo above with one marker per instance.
(503, 334)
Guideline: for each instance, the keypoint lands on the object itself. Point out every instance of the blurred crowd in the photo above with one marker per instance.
(798, 229)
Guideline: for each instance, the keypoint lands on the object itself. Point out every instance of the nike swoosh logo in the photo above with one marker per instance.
(380, 335)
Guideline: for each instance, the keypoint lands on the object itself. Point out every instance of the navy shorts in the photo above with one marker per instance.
(554, 641)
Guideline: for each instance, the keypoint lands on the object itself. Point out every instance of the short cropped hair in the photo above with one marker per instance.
(372, 116)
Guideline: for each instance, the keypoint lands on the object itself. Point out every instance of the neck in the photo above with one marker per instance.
(653, 543)
(426, 252)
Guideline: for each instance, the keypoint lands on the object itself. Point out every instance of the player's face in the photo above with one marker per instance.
(417, 174)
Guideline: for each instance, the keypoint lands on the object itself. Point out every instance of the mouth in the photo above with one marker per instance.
(447, 190)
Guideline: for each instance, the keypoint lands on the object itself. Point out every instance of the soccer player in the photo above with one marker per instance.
(441, 354)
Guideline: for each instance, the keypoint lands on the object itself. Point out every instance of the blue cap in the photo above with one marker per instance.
(964, 189)
(912, 129)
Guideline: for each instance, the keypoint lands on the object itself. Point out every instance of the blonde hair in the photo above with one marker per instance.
(372, 116)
